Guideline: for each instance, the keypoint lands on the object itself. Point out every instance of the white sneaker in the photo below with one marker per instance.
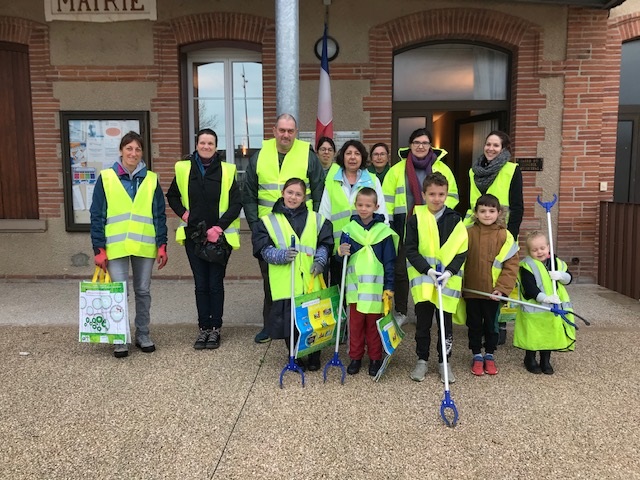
(452, 379)
(400, 318)
(420, 370)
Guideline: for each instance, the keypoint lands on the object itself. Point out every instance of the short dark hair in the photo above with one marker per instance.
(487, 200)
(361, 148)
(131, 137)
(327, 140)
(295, 180)
(435, 178)
(418, 133)
(379, 144)
(206, 131)
(504, 139)
(369, 192)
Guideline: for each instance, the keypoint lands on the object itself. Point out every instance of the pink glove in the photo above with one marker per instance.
(101, 259)
(162, 257)
(213, 234)
(185, 216)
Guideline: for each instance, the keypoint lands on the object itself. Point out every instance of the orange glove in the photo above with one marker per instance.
(101, 259)
(162, 256)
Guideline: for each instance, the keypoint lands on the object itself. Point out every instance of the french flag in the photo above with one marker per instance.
(324, 122)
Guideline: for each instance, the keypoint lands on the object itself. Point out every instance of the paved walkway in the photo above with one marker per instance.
(73, 411)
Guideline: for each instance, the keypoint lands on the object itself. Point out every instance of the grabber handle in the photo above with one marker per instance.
(293, 241)
(548, 205)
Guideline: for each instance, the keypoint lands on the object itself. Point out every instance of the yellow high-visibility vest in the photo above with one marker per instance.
(499, 188)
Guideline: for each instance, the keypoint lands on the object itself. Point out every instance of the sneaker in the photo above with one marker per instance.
(144, 343)
(419, 371)
(477, 365)
(213, 341)
(354, 367)
(262, 337)
(374, 366)
(452, 379)
(490, 365)
(400, 318)
(121, 350)
(201, 339)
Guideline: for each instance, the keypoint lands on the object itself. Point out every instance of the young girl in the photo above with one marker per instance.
(272, 243)
(491, 267)
(540, 330)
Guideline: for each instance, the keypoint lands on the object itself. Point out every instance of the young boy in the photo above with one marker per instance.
(491, 267)
(540, 330)
(372, 247)
(436, 243)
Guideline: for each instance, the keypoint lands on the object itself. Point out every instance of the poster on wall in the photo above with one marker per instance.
(91, 143)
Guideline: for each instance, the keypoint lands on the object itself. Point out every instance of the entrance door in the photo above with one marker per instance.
(627, 173)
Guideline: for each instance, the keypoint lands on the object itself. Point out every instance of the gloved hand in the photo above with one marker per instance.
(387, 300)
(344, 249)
(213, 234)
(562, 277)
(185, 217)
(290, 254)
(544, 298)
(433, 274)
(444, 278)
(317, 268)
(101, 259)
(162, 257)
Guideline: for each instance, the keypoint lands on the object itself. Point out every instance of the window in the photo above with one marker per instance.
(629, 73)
(225, 95)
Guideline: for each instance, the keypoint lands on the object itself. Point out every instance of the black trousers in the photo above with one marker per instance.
(401, 280)
(266, 305)
(482, 321)
(424, 319)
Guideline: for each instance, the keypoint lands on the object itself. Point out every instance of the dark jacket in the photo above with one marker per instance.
(385, 250)
(528, 285)
(446, 223)
(131, 183)
(204, 196)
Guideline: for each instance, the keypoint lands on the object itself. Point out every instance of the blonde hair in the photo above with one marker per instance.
(535, 234)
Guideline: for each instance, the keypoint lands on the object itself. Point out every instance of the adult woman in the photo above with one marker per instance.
(205, 190)
(379, 158)
(326, 153)
(129, 226)
(403, 190)
(494, 173)
(340, 189)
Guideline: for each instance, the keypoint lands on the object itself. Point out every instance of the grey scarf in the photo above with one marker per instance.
(484, 176)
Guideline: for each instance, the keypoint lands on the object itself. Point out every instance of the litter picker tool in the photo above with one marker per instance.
(548, 206)
(555, 309)
(447, 402)
(292, 365)
(335, 360)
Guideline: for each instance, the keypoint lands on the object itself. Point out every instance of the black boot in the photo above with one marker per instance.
(374, 366)
(530, 362)
(313, 363)
(354, 367)
(502, 333)
(545, 362)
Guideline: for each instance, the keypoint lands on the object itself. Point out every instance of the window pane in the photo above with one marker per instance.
(210, 114)
(450, 72)
(629, 73)
(247, 111)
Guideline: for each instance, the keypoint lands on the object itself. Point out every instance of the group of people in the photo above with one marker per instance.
(393, 227)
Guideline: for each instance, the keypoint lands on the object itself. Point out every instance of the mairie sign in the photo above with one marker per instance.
(100, 10)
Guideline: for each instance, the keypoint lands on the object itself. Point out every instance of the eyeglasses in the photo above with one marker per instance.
(325, 150)
(380, 154)
(421, 144)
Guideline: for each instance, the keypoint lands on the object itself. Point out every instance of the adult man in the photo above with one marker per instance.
(279, 159)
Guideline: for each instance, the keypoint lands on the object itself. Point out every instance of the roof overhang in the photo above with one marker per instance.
(603, 4)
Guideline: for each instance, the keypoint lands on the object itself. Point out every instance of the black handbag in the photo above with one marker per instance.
(218, 252)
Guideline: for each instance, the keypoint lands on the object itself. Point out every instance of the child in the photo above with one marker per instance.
(491, 267)
(372, 247)
(436, 244)
(272, 243)
(540, 330)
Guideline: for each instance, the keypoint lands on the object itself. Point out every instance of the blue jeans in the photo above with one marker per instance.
(142, 268)
(209, 281)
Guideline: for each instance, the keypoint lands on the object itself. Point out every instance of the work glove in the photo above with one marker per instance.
(213, 234)
(101, 259)
(544, 298)
(185, 216)
(290, 254)
(444, 278)
(433, 274)
(562, 277)
(387, 300)
(162, 257)
(344, 249)
(317, 268)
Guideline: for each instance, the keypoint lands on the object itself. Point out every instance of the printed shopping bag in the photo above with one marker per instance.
(391, 335)
(316, 315)
(103, 310)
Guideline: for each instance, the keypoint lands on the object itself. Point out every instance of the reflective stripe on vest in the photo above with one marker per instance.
(544, 283)
(508, 250)
(129, 228)
(499, 188)
(422, 285)
(183, 170)
(365, 273)
(272, 177)
(280, 232)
